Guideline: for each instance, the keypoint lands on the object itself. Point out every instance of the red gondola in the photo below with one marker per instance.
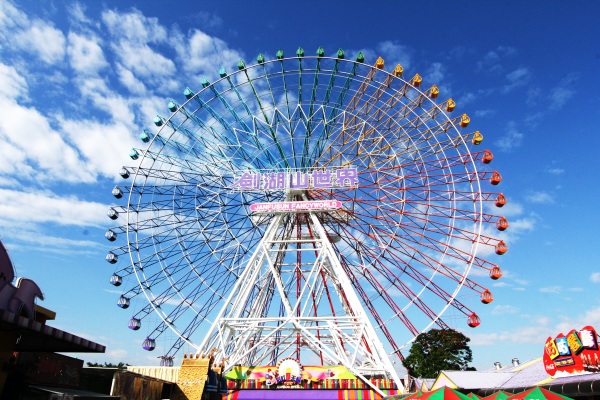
(500, 200)
(487, 297)
(501, 248)
(496, 273)
(502, 224)
(487, 157)
(473, 320)
(496, 178)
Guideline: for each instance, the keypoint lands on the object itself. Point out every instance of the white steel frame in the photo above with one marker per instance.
(241, 335)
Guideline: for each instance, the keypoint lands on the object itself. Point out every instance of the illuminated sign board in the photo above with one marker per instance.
(297, 180)
(295, 206)
(574, 353)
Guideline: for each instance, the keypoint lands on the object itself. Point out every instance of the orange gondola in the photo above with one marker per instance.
(487, 157)
(496, 178)
(487, 297)
(502, 224)
(501, 248)
(500, 200)
(496, 273)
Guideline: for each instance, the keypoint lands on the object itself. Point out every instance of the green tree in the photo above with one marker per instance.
(120, 365)
(438, 350)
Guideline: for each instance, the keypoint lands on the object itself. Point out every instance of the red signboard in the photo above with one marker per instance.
(574, 353)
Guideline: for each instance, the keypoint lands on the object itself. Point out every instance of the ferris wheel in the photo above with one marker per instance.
(312, 207)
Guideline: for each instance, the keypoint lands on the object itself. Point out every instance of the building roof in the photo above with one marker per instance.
(531, 373)
(37, 336)
(471, 380)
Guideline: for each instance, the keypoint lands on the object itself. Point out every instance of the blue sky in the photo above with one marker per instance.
(79, 80)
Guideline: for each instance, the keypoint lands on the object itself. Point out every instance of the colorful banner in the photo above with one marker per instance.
(287, 206)
(574, 353)
(308, 373)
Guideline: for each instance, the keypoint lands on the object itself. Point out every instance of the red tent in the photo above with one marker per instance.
(499, 395)
(538, 393)
(444, 393)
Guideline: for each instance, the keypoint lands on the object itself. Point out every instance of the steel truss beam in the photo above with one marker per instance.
(247, 332)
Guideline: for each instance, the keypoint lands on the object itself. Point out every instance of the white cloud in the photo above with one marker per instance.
(41, 207)
(540, 198)
(522, 225)
(516, 78)
(38, 151)
(504, 309)
(574, 321)
(595, 277)
(551, 289)
(209, 20)
(563, 92)
(512, 208)
(204, 54)
(466, 98)
(59, 243)
(435, 74)
(128, 79)
(44, 40)
(559, 96)
(485, 113)
(117, 355)
(556, 171)
(103, 146)
(11, 19)
(103, 98)
(144, 61)
(533, 95)
(491, 60)
(395, 53)
(511, 139)
(77, 14)
(534, 334)
(85, 55)
(134, 27)
(12, 85)
(500, 52)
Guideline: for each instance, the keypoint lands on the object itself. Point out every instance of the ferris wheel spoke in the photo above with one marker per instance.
(395, 282)
(429, 262)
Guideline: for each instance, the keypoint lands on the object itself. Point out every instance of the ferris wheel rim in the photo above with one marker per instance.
(478, 204)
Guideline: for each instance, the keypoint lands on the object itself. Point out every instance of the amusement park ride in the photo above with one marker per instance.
(306, 208)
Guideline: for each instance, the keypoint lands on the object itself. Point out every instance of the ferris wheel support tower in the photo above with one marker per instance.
(243, 333)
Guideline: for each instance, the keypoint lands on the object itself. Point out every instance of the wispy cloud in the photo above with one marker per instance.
(516, 78)
(492, 60)
(551, 289)
(41, 39)
(511, 139)
(563, 92)
(556, 171)
(504, 309)
(395, 53)
(85, 54)
(540, 198)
